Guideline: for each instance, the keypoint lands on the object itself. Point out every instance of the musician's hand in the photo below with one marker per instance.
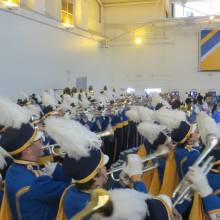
(199, 181)
(134, 165)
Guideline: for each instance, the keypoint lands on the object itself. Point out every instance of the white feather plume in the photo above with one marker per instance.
(170, 118)
(206, 125)
(150, 130)
(48, 99)
(33, 109)
(11, 114)
(38, 98)
(133, 115)
(65, 106)
(74, 138)
(128, 204)
(145, 114)
(3, 155)
(24, 95)
(85, 102)
(156, 99)
(67, 98)
(76, 98)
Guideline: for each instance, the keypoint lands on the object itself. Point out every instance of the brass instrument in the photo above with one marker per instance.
(160, 152)
(54, 149)
(100, 199)
(184, 189)
(107, 132)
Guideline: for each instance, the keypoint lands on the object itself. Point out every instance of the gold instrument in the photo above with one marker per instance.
(184, 190)
(107, 132)
(100, 199)
(160, 152)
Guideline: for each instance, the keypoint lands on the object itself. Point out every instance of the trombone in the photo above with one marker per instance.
(160, 152)
(184, 189)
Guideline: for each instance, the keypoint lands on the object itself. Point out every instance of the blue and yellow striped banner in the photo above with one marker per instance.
(210, 50)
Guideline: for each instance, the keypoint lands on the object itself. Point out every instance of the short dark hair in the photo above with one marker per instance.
(17, 156)
(87, 185)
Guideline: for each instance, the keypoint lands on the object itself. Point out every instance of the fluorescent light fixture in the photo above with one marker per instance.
(130, 90)
(153, 90)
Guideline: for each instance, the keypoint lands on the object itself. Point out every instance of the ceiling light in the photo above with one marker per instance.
(67, 25)
(138, 40)
(11, 4)
(211, 17)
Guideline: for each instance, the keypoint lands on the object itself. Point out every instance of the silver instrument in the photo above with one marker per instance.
(160, 152)
(54, 149)
(184, 190)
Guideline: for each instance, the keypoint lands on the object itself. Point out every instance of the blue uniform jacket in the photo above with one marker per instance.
(211, 204)
(184, 159)
(216, 116)
(33, 195)
(75, 200)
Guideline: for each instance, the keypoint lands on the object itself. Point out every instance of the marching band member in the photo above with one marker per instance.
(183, 134)
(155, 138)
(28, 192)
(86, 164)
(201, 185)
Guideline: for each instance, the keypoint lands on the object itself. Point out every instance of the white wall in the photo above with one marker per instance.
(168, 59)
(168, 65)
(35, 57)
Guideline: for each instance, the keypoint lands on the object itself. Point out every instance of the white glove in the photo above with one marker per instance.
(134, 165)
(50, 167)
(199, 181)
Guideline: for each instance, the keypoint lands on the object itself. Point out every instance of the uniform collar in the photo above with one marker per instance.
(25, 162)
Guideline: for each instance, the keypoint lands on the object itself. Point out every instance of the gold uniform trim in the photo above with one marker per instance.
(61, 214)
(25, 162)
(214, 211)
(187, 135)
(181, 165)
(49, 114)
(125, 123)
(27, 144)
(18, 194)
(169, 211)
(91, 175)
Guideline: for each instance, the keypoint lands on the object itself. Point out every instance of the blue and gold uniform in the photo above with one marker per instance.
(211, 205)
(84, 171)
(82, 198)
(185, 155)
(29, 193)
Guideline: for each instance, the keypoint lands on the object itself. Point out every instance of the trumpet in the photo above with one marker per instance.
(54, 149)
(160, 152)
(184, 189)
